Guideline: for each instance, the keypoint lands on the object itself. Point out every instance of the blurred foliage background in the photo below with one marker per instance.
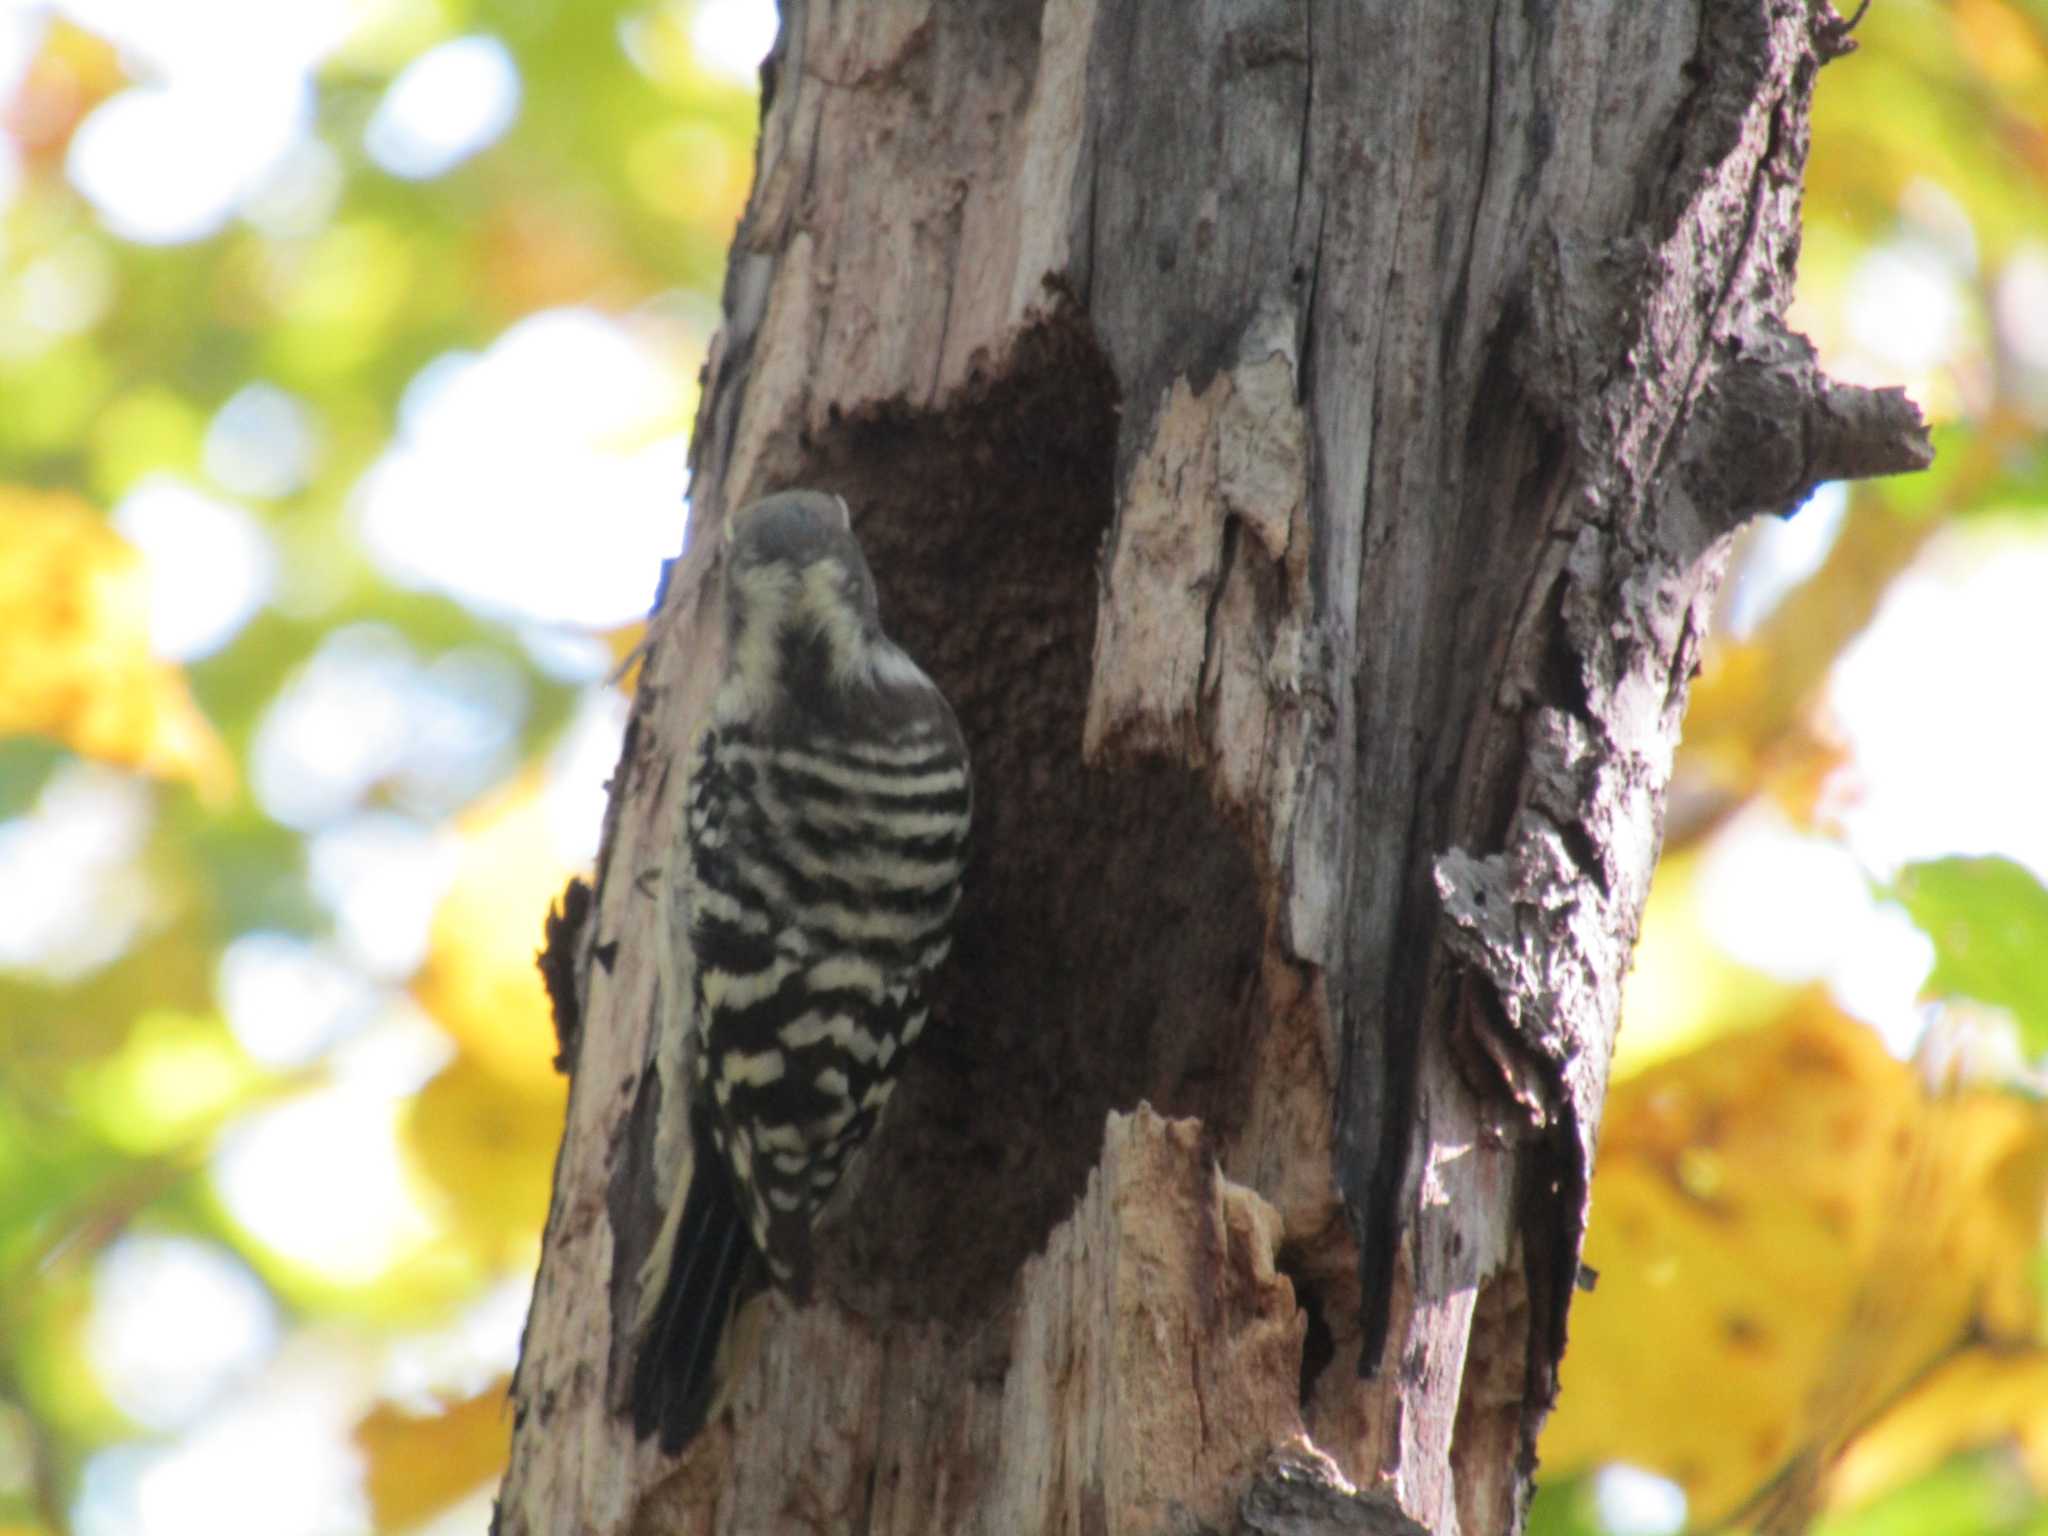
(348, 351)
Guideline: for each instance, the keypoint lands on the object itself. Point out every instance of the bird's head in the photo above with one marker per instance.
(800, 616)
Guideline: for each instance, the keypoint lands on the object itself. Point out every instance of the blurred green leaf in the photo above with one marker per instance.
(1973, 1495)
(1988, 918)
(1564, 1507)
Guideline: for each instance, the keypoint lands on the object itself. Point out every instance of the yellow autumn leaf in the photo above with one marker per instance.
(479, 980)
(2001, 43)
(415, 1466)
(1982, 1395)
(486, 1129)
(490, 1149)
(1803, 1231)
(75, 662)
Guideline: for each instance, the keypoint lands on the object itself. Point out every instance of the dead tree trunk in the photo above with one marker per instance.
(1300, 437)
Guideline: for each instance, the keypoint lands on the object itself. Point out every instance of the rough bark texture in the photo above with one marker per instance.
(1300, 437)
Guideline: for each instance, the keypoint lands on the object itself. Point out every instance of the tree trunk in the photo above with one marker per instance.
(1300, 437)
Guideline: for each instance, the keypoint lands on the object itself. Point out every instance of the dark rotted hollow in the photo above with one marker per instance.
(1107, 945)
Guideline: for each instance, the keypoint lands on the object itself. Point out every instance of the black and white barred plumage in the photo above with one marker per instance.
(827, 813)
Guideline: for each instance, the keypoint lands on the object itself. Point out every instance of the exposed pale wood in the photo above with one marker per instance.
(1301, 437)
(1139, 1384)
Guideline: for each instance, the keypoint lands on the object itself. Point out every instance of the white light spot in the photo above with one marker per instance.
(541, 480)
(1904, 306)
(568, 655)
(276, 1462)
(580, 770)
(21, 39)
(446, 105)
(210, 565)
(298, 195)
(424, 1371)
(474, 1514)
(464, 709)
(396, 1056)
(287, 1000)
(2022, 305)
(209, 38)
(1779, 553)
(72, 894)
(732, 37)
(169, 163)
(337, 728)
(61, 293)
(261, 443)
(10, 165)
(1879, 974)
(1947, 757)
(1634, 1502)
(158, 1373)
(323, 1182)
(364, 713)
(1939, 216)
(382, 875)
(1802, 909)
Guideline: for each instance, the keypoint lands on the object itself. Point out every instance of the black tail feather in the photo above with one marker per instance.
(675, 1379)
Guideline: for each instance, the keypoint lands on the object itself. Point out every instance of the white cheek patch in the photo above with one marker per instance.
(825, 607)
(766, 594)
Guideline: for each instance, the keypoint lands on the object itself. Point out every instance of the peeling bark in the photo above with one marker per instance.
(1302, 440)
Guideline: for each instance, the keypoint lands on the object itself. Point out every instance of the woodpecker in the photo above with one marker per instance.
(814, 882)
